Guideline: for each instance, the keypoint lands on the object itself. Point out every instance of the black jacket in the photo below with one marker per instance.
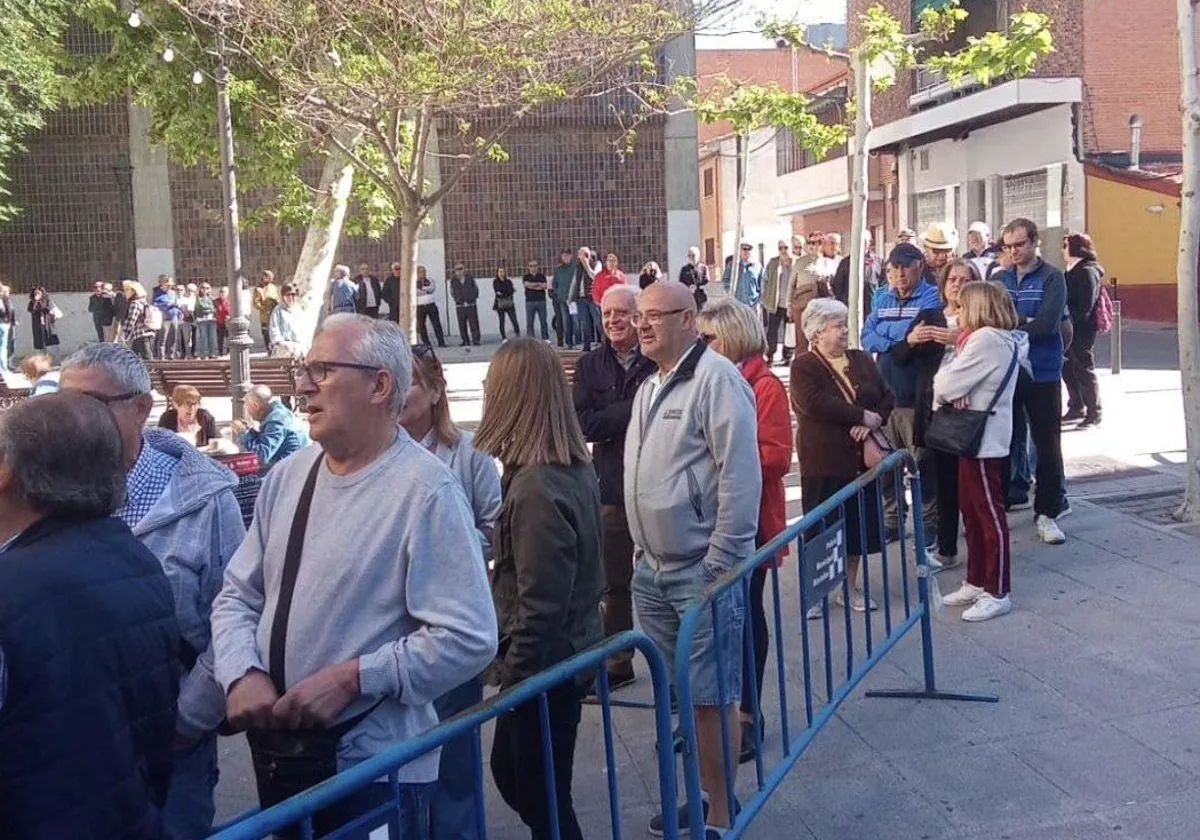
(92, 661)
(169, 420)
(1083, 290)
(360, 300)
(465, 292)
(927, 358)
(103, 309)
(548, 575)
(603, 401)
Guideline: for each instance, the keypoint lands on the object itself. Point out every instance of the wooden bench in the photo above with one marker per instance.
(213, 377)
(11, 396)
(569, 359)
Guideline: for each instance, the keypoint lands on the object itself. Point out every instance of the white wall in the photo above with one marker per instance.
(826, 182)
(1036, 141)
(760, 223)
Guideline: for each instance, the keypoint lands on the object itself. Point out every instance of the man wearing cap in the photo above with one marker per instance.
(886, 328)
(940, 242)
(749, 278)
(905, 235)
(981, 250)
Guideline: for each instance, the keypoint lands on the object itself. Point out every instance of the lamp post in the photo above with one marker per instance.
(240, 341)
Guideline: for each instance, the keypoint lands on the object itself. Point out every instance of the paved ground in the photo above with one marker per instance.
(1099, 681)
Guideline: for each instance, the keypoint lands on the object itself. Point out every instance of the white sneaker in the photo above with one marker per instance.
(1064, 513)
(948, 562)
(858, 602)
(1049, 532)
(964, 595)
(988, 606)
(935, 565)
(815, 612)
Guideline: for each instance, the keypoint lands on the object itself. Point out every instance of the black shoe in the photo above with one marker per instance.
(748, 749)
(1072, 415)
(1089, 422)
(656, 822)
(1017, 503)
(620, 679)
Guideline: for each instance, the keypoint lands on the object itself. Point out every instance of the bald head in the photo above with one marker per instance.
(666, 322)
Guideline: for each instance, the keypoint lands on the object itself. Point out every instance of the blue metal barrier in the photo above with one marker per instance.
(300, 810)
(820, 574)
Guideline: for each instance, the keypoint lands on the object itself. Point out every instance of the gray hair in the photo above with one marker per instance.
(694, 252)
(66, 455)
(621, 289)
(381, 344)
(341, 271)
(120, 363)
(818, 315)
(260, 394)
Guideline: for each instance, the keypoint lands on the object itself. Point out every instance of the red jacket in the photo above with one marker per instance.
(224, 306)
(774, 448)
(605, 280)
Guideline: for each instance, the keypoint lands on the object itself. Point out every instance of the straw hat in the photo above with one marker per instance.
(940, 238)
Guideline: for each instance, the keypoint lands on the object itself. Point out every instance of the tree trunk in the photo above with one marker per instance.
(736, 269)
(1189, 257)
(324, 232)
(410, 240)
(858, 197)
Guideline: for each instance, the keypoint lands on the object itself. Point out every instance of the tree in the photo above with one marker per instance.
(1189, 257)
(440, 84)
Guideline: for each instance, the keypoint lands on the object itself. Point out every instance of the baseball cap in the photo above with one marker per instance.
(904, 255)
(981, 228)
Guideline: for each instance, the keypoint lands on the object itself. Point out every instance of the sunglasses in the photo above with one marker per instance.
(423, 351)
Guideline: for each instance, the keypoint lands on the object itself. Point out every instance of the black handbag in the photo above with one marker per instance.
(959, 431)
(288, 762)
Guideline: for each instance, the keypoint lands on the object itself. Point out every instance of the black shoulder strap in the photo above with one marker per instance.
(291, 567)
(1004, 384)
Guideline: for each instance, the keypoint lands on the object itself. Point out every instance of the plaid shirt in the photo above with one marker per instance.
(146, 482)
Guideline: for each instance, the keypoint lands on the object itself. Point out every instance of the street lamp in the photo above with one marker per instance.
(240, 341)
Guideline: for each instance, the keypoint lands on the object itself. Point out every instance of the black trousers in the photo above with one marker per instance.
(617, 604)
(946, 467)
(1079, 373)
(468, 318)
(511, 314)
(774, 322)
(1043, 404)
(222, 338)
(520, 772)
(429, 311)
(760, 637)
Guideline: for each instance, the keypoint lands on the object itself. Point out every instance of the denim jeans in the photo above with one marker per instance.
(206, 339)
(535, 309)
(189, 812)
(4, 332)
(588, 323)
(565, 326)
(415, 801)
(453, 815)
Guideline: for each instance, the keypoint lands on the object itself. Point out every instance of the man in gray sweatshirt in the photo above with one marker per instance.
(391, 606)
(692, 488)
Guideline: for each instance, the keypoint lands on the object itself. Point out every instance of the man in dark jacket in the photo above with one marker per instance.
(83, 607)
(465, 292)
(605, 381)
(102, 309)
(370, 292)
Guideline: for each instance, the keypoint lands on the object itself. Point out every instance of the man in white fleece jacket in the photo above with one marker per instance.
(692, 489)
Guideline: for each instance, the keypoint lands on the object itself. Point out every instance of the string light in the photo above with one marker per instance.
(197, 78)
(168, 54)
(135, 18)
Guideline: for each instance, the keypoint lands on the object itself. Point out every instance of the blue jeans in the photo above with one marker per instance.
(189, 812)
(588, 325)
(5, 329)
(206, 339)
(662, 598)
(453, 815)
(565, 328)
(535, 309)
(415, 801)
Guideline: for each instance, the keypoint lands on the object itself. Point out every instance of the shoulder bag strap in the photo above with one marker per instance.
(1004, 384)
(291, 567)
(837, 379)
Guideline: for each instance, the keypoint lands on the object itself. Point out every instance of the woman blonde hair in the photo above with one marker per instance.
(184, 395)
(736, 326)
(984, 305)
(528, 412)
(139, 291)
(428, 373)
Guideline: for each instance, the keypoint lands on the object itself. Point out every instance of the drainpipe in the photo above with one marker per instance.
(1135, 141)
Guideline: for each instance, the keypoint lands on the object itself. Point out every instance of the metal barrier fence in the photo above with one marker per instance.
(820, 538)
(300, 810)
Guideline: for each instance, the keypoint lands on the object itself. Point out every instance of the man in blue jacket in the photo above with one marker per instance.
(1040, 293)
(279, 434)
(746, 282)
(886, 329)
(605, 381)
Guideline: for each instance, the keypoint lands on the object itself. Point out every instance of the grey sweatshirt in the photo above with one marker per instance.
(693, 480)
(391, 574)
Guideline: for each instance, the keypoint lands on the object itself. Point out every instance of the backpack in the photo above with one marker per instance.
(154, 318)
(1103, 310)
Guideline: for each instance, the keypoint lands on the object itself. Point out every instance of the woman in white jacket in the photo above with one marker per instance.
(988, 353)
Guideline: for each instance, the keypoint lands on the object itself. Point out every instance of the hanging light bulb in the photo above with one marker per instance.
(135, 18)
(168, 54)
(197, 78)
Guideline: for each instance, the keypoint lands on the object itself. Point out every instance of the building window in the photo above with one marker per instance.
(1025, 197)
(710, 251)
(830, 109)
(708, 182)
(929, 207)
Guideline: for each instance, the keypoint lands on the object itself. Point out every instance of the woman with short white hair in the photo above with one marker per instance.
(841, 404)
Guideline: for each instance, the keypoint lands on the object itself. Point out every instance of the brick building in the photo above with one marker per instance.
(1019, 147)
(102, 204)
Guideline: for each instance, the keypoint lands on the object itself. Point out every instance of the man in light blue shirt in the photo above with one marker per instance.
(746, 287)
(343, 292)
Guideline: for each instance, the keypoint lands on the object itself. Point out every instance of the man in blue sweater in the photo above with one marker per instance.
(1040, 294)
(887, 326)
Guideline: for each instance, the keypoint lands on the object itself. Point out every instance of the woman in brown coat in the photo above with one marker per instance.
(839, 399)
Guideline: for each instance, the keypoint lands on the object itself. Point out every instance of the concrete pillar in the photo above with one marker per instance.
(681, 157)
(153, 221)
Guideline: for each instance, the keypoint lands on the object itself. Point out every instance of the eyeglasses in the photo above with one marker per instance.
(318, 372)
(109, 400)
(1015, 246)
(707, 338)
(654, 317)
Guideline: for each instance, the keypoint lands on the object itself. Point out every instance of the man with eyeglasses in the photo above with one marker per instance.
(777, 292)
(535, 284)
(391, 605)
(1039, 291)
(692, 489)
(181, 505)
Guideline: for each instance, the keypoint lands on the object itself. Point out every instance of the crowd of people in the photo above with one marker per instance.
(626, 493)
